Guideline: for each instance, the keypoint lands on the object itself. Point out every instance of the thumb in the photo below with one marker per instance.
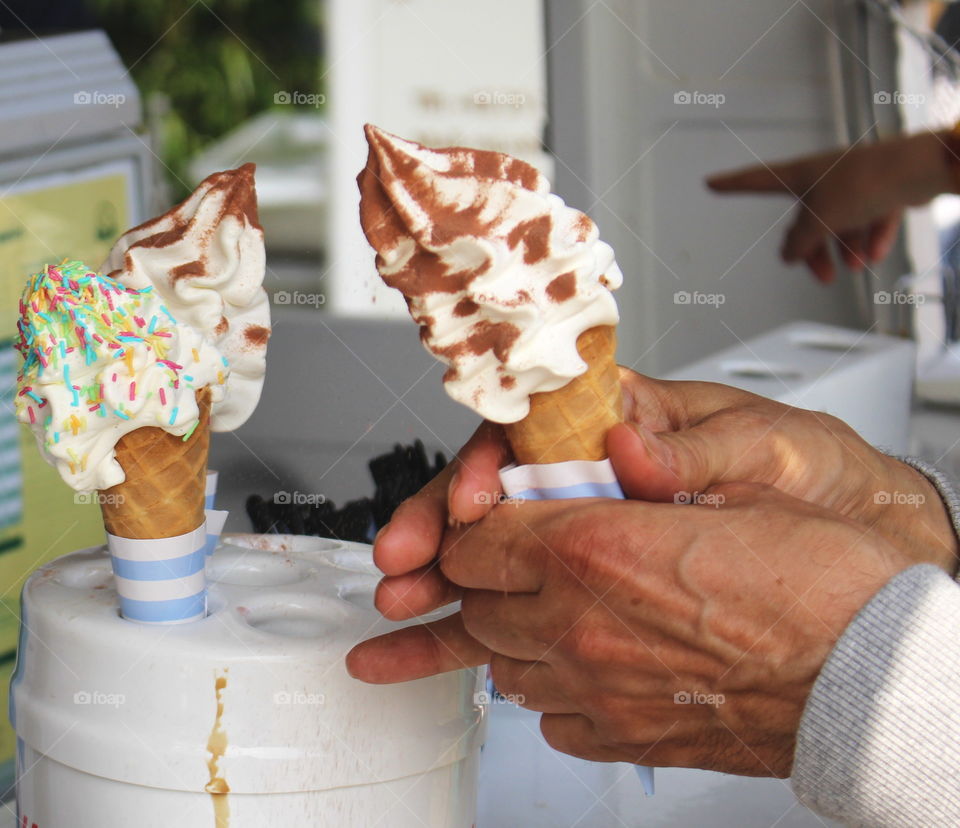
(475, 486)
(806, 234)
(657, 467)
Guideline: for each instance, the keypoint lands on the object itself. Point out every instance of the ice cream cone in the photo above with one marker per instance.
(571, 423)
(164, 490)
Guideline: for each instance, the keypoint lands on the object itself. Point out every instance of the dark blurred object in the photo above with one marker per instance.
(40, 17)
(948, 26)
(396, 476)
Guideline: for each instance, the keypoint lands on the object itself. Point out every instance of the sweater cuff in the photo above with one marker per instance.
(878, 741)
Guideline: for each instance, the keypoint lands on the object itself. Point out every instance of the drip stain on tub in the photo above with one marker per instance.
(217, 787)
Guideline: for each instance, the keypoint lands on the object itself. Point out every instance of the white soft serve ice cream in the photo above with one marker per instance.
(499, 273)
(101, 360)
(205, 258)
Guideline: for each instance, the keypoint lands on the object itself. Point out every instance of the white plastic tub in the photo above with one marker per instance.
(242, 720)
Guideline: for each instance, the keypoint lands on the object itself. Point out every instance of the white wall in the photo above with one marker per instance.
(635, 159)
(439, 72)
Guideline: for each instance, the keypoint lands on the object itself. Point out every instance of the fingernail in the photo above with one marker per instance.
(655, 447)
(379, 534)
(452, 486)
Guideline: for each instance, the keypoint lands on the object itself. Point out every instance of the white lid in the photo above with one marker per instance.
(138, 703)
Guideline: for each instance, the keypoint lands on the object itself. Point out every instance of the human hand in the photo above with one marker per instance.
(682, 438)
(664, 635)
(853, 197)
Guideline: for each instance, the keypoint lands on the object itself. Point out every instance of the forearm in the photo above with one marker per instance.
(923, 166)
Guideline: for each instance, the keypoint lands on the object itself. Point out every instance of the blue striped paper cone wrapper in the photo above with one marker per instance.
(210, 492)
(562, 481)
(161, 580)
(215, 521)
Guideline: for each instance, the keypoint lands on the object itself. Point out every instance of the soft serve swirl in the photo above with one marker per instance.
(499, 273)
(206, 260)
(101, 360)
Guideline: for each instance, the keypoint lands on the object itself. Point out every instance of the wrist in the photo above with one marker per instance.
(930, 166)
(916, 520)
(948, 178)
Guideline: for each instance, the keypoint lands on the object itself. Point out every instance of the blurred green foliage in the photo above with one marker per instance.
(217, 62)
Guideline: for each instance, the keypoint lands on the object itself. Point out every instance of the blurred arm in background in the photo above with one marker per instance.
(852, 198)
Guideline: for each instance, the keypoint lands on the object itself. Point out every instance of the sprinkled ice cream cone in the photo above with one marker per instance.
(126, 374)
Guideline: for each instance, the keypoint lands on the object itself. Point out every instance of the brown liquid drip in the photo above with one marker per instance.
(217, 787)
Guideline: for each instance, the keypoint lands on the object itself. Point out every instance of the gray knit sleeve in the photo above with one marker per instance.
(879, 741)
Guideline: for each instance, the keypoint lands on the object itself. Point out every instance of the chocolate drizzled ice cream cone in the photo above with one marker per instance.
(571, 423)
(510, 286)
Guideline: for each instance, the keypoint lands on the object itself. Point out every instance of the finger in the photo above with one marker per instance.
(763, 178)
(853, 250)
(882, 237)
(414, 593)
(730, 444)
(513, 624)
(501, 552)
(476, 481)
(416, 652)
(671, 405)
(411, 538)
(575, 734)
(530, 684)
(804, 236)
(820, 264)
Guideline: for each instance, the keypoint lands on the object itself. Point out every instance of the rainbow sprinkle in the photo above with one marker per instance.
(69, 309)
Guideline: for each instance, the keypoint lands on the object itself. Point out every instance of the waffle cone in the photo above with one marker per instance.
(572, 422)
(163, 493)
